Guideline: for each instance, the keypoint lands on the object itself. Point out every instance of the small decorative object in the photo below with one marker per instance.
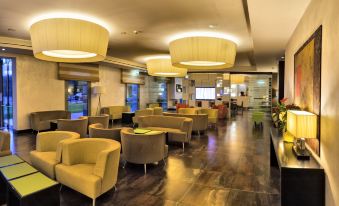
(98, 90)
(301, 125)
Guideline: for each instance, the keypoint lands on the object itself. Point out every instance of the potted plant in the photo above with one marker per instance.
(279, 113)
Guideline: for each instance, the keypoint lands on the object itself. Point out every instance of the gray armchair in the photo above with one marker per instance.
(74, 125)
(98, 131)
(143, 148)
(5, 142)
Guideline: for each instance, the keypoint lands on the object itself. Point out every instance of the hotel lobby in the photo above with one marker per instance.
(161, 103)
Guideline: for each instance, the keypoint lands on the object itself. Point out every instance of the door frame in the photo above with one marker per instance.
(89, 92)
(126, 90)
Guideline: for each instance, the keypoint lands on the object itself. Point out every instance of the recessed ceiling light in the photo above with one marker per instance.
(283, 57)
(3, 49)
(137, 32)
(212, 26)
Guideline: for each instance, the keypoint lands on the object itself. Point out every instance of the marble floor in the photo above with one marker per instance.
(228, 165)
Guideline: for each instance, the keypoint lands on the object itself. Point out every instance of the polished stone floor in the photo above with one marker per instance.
(226, 166)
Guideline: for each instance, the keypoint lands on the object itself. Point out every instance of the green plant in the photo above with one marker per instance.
(279, 113)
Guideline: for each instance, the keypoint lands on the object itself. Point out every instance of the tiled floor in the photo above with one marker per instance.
(227, 166)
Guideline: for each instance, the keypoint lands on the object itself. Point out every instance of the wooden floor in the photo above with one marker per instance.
(226, 166)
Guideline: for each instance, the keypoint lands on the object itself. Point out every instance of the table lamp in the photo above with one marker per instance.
(98, 90)
(301, 125)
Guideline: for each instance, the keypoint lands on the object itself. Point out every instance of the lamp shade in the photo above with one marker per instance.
(163, 67)
(302, 124)
(237, 79)
(202, 53)
(69, 40)
(98, 90)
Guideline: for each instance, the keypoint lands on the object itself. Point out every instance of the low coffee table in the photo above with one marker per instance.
(35, 189)
(127, 118)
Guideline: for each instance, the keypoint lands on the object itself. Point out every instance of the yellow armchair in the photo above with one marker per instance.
(89, 166)
(212, 115)
(48, 150)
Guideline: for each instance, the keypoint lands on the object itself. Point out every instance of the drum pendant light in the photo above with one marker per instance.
(163, 67)
(69, 40)
(201, 52)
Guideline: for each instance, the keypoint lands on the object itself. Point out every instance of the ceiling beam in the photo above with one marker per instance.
(21, 44)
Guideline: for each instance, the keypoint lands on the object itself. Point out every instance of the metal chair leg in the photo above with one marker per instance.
(93, 202)
(199, 133)
(183, 146)
(145, 168)
(123, 166)
(60, 188)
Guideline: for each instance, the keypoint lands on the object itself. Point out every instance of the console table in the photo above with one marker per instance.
(302, 182)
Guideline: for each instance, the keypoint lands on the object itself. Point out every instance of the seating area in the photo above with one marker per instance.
(163, 103)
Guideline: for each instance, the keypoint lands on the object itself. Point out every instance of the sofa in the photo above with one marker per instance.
(74, 125)
(200, 121)
(48, 150)
(179, 129)
(89, 166)
(98, 131)
(5, 143)
(41, 120)
(115, 112)
(143, 148)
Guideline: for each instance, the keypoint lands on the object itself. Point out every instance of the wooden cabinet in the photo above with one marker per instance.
(302, 181)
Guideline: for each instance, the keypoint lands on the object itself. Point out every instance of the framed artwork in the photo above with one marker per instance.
(307, 80)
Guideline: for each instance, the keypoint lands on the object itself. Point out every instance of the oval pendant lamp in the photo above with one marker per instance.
(69, 40)
(162, 67)
(201, 52)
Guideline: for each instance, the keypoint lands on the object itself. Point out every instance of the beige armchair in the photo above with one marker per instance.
(74, 125)
(212, 116)
(157, 110)
(200, 121)
(48, 150)
(102, 119)
(179, 129)
(5, 143)
(143, 148)
(141, 113)
(98, 131)
(188, 111)
(89, 166)
(115, 112)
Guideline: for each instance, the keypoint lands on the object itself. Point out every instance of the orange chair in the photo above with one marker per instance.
(178, 106)
(222, 111)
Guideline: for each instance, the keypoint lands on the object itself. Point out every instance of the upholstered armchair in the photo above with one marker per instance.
(157, 110)
(48, 150)
(5, 143)
(141, 113)
(212, 116)
(74, 125)
(89, 166)
(98, 131)
(102, 119)
(143, 148)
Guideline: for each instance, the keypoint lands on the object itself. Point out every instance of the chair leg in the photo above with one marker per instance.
(123, 166)
(145, 168)
(163, 159)
(199, 133)
(60, 188)
(93, 202)
(115, 188)
(183, 146)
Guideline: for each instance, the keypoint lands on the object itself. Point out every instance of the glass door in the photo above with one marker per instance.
(132, 96)
(6, 93)
(78, 98)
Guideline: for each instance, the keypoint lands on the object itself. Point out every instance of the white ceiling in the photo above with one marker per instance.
(272, 23)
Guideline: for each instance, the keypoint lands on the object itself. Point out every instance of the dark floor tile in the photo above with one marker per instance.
(243, 198)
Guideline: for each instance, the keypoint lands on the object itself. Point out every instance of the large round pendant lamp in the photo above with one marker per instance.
(200, 52)
(163, 67)
(69, 40)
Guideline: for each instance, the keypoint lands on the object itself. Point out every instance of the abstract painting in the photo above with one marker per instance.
(307, 80)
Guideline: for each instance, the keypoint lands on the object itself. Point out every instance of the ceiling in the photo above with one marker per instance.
(260, 29)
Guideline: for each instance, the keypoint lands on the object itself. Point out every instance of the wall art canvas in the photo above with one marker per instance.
(307, 80)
